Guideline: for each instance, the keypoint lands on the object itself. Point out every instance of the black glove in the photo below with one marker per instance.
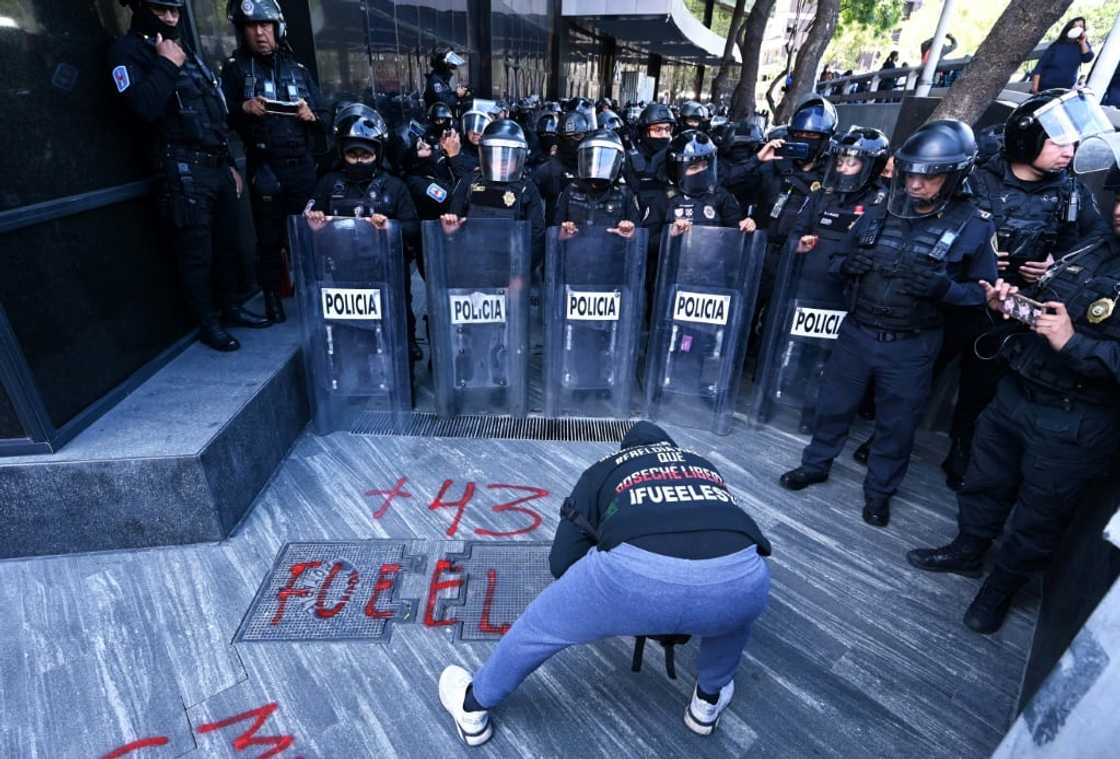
(856, 263)
(924, 282)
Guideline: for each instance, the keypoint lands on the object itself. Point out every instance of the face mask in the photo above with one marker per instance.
(656, 143)
(359, 172)
(598, 186)
(150, 25)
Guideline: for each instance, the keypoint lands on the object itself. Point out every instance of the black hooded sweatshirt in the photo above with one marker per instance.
(657, 497)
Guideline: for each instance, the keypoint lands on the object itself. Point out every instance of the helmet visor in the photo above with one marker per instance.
(452, 59)
(599, 160)
(502, 162)
(848, 169)
(1097, 153)
(475, 121)
(917, 194)
(1073, 117)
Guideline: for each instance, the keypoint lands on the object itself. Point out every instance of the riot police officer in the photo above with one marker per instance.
(695, 196)
(437, 87)
(1039, 208)
(428, 175)
(927, 247)
(360, 187)
(440, 122)
(171, 89)
(644, 161)
(464, 157)
(547, 139)
(693, 115)
(554, 175)
(261, 77)
(595, 198)
(1053, 426)
(738, 143)
(499, 189)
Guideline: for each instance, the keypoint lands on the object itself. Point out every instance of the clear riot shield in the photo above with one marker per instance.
(478, 307)
(351, 280)
(801, 325)
(707, 283)
(593, 313)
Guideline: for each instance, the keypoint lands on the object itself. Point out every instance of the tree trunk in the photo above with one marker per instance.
(1014, 35)
(809, 57)
(750, 50)
(728, 51)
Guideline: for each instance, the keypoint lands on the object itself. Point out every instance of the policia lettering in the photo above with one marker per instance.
(344, 303)
(701, 308)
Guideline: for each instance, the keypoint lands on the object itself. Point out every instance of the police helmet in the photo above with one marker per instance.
(1064, 116)
(817, 118)
(693, 115)
(601, 156)
(476, 120)
(503, 151)
(241, 12)
(940, 148)
(548, 131)
(1023, 134)
(870, 147)
(440, 116)
(444, 58)
(611, 120)
(689, 148)
(359, 126)
(631, 114)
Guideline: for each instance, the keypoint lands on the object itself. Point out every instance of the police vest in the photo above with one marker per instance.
(496, 200)
(605, 209)
(797, 187)
(198, 118)
(647, 184)
(836, 212)
(282, 79)
(897, 249)
(1026, 222)
(702, 211)
(1088, 283)
(367, 198)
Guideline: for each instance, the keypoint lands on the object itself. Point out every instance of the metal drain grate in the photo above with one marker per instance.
(501, 580)
(499, 427)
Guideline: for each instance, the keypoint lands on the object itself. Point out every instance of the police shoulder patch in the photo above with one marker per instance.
(436, 193)
(120, 78)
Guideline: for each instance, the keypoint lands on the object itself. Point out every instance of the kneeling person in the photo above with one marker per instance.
(641, 541)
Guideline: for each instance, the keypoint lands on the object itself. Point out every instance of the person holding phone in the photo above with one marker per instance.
(168, 88)
(1040, 210)
(1053, 426)
(1058, 66)
(276, 109)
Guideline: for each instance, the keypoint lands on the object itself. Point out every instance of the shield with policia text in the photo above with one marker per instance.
(802, 324)
(593, 312)
(478, 306)
(707, 283)
(351, 283)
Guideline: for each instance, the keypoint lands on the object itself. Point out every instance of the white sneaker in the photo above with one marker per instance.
(474, 727)
(702, 717)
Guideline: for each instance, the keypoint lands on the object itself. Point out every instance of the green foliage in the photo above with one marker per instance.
(880, 15)
(1098, 14)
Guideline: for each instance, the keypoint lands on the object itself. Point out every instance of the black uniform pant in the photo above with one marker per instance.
(901, 365)
(292, 182)
(1032, 455)
(199, 208)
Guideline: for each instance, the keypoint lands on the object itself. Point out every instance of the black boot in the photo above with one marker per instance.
(877, 510)
(236, 316)
(802, 477)
(956, 463)
(211, 334)
(274, 307)
(964, 556)
(863, 453)
(987, 611)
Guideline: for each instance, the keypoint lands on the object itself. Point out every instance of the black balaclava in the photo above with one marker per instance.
(147, 23)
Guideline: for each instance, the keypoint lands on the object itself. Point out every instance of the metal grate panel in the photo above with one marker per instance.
(499, 427)
(338, 612)
(501, 580)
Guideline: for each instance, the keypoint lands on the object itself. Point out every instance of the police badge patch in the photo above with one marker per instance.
(120, 78)
(678, 212)
(815, 186)
(247, 7)
(509, 199)
(709, 212)
(436, 193)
